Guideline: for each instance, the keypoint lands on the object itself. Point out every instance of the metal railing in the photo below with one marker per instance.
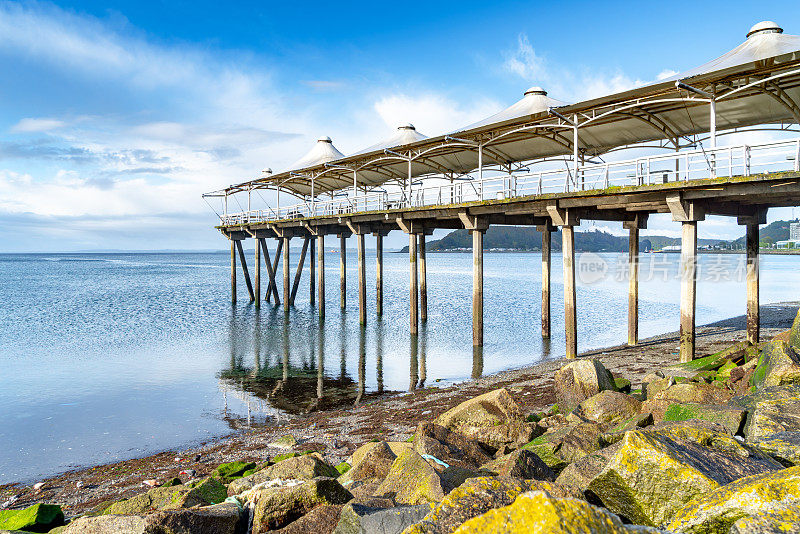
(738, 160)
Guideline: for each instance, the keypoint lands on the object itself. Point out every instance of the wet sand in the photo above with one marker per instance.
(336, 433)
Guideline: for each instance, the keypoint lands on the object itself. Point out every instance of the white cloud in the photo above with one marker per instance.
(31, 125)
(431, 114)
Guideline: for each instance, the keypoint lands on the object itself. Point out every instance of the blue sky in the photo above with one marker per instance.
(115, 117)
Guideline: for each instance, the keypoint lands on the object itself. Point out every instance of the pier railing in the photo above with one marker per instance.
(737, 160)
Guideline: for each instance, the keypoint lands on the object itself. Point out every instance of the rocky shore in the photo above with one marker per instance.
(619, 440)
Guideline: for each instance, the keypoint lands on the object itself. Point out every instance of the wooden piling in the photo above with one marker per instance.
(257, 285)
(413, 303)
(287, 289)
(753, 320)
(321, 275)
(570, 316)
(311, 269)
(688, 289)
(423, 280)
(477, 288)
(633, 285)
(342, 271)
(246, 273)
(362, 281)
(379, 274)
(233, 271)
(546, 238)
(298, 274)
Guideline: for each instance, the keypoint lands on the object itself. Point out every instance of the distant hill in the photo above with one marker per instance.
(525, 238)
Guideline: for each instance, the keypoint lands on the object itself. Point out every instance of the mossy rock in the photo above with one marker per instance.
(284, 456)
(300, 467)
(754, 496)
(623, 385)
(724, 372)
(412, 481)
(174, 481)
(284, 442)
(730, 417)
(545, 447)
(783, 446)
(770, 410)
(714, 361)
(276, 507)
(232, 470)
(778, 365)
(36, 518)
(201, 492)
(343, 467)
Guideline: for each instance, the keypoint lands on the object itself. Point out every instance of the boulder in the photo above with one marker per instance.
(217, 519)
(546, 446)
(783, 446)
(232, 470)
(284, 442)
(197, 493)
(694, 392)
(755, 495)
(770, 410)
(412, 480)
(577, 476)
(622, 384)
(731, 417)
(373, 466)
(657, 471)
(449, 446)
(784, 522)
(537, 511)
(360, 519)
(794, 333)
(616, 433)
(305, 467)
(493, 419)
(610, 407)
(36, 518)
(396, 446)
(579, 380)
(522, 464)
(477, 496)
(276, 507)
(582, 439)
(320, 520)
(778, 365)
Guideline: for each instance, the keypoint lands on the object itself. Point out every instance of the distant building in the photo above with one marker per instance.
(794, 231)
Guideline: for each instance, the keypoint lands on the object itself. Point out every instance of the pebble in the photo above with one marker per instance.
(38, 486)
(79, 484)
(151, 482)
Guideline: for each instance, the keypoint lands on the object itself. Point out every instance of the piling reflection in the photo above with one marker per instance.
(413, 362)
(362, 364)
(477, 361)
(423, 364)
(379, 356)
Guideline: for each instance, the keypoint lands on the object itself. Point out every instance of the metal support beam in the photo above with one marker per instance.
(287, 290)
(233, 267)
(688, 289)
(570, 316)
(299, 271)
(477, 288)
(423, 280)
(272, 286)
(753, 320)
(413, 302)
(379, 274)
(243, 261)
(362, 280)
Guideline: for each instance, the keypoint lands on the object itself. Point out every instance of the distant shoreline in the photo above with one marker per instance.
(791, 252)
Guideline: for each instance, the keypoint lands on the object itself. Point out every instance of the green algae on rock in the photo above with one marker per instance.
(197, 493)
(276, 507)
(610, 407)
(36, 518)
(778, 365)
(751, 497)
(537, 511)
(731, 417)
(304, 467)
(232, 470)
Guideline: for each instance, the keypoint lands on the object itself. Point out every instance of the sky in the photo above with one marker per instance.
(115, 117)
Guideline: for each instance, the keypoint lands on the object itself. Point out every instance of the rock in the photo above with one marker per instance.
(276, 507)
(537, 511)
(755, 495)
(731, 417)
(231, 470)
(284, 442)
(778, 365)
(770, 410)
(712, 362)
(321, 520)
(582, 439)
(724, 372)
(411, 480)
(609, 407)
(623, 385)
(783, 446)
(577, 476)
(694, 392)
(218, 519)
(305, 467)
(618, 432)
(197, 493)
(396, 446)
(449, 446)
(493, 419)
(579, 380)
(655, 386)
(794, 332)
(784, 522)
(360, 519)
(374, 466)
(343, 467)
(546, 446)
(475, 497)
(36, 518)
(522, 464)
(657, 471)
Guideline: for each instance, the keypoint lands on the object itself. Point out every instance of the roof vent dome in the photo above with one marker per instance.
(267, 171)
(324, 139)
(766, 26)
(536, 90)
(407, 126)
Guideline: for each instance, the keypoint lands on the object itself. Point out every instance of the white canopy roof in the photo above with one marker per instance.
(758, 82)
(404, 135)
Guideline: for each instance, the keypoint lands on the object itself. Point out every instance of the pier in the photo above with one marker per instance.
(548, 164)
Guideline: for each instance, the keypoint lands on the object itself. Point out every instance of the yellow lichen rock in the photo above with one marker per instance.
(753, 500)
(411, 480)
(539, 513)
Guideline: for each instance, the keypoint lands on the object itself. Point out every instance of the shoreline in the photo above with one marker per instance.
(337, 432)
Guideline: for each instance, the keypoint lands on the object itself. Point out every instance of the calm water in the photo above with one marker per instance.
(110, 356)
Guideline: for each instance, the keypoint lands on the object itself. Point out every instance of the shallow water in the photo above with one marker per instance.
(110, 356)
